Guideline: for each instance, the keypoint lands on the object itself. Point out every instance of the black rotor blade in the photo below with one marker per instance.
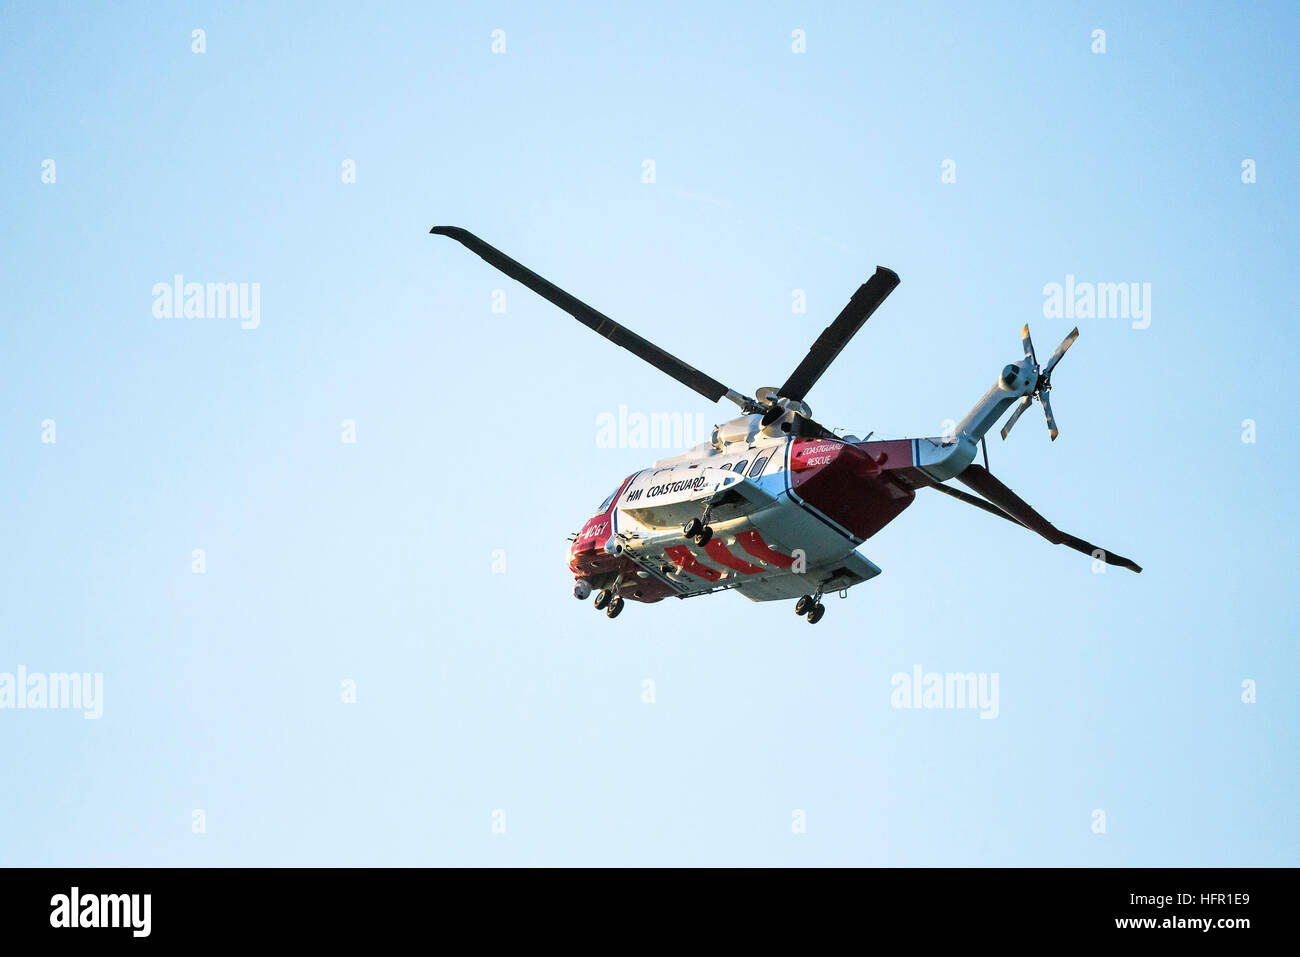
(689, 376)
(1018, 510)
(835, 336)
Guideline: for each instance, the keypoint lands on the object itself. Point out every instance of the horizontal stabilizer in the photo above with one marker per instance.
(1001, 501)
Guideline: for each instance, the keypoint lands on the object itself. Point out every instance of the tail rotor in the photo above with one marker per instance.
(1043, 387)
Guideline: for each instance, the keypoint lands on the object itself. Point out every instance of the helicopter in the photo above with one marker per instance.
(774, 505)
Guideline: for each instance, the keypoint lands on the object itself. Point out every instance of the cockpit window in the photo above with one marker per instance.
(608, 501)
(739, 467)
(758, 466)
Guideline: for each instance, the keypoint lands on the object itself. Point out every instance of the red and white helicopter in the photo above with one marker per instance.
(775, 505)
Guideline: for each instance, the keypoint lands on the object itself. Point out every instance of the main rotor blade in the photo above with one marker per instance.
(688, 375)
(835, 336)
(1020, 410)
(1047, 411)
(1060, 351)
(979, 479)
(1028, 343)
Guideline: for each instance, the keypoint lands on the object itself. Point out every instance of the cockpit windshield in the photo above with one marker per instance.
(609, 500)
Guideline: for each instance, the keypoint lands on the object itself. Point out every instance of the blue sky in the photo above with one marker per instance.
(482, 690)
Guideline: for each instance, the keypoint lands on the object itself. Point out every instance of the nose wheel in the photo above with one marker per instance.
(609, 602)
(810, 607)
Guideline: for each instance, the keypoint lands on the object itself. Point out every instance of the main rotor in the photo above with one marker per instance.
(783, 408)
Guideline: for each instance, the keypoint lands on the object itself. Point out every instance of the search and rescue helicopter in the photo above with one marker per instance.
(775, 505)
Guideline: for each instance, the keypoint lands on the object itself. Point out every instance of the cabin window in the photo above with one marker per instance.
(739, 467)
(759, 464)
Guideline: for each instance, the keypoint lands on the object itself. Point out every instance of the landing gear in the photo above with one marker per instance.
(607, 598)
(811, 607)
(698, 530)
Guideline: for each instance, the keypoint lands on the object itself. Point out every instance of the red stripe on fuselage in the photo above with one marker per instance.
(753, 543)
(719, 553)
(681, 556)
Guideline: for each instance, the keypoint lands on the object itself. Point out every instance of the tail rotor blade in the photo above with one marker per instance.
(1020, 410)
(1028, 343)
(1061, 350)
(1047, 411)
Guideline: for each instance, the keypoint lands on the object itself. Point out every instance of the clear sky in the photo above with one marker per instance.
(425, 561)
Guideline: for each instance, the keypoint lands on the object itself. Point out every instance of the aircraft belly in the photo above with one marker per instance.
(824, 552)
(769, 548)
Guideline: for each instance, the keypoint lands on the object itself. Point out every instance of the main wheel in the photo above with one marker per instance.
(703, 537)
(615, 607)
(602, 599)
(692, 528)
(815, 615)
(803, 605)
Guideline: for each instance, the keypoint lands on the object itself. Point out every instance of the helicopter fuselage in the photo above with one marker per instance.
(787, 515)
